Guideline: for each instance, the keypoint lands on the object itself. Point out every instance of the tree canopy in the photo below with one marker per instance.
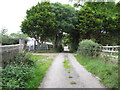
(65, 19)
(39, 22)
(98, 21)
(49, 21)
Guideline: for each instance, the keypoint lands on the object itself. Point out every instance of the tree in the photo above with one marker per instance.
(65, 19)
(7, 40)
(88, 23)
(39, 22)
(97, 20)
(18, 36)
(47, 21)
(3, 31)
(110, 22)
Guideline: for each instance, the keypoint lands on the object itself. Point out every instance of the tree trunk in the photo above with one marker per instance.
(57, 41)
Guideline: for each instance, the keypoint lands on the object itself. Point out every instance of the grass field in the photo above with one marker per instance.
(106, 71)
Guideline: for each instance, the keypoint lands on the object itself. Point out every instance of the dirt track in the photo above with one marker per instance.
(58, 77)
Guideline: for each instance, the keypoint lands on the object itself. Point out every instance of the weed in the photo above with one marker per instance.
(66, 66)
(70, 77)
(69, 72)
(73, 82)
(66, 62)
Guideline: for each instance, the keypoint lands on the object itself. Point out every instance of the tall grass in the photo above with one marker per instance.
(106, 71)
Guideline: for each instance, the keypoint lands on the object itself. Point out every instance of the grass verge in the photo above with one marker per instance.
(107, 72)
(25, 71)
(39, 71)
(38, 57)
(48, 51)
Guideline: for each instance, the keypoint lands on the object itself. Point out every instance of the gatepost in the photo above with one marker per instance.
(21, 45)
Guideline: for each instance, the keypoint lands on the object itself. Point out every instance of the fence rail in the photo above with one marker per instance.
(111, 51)
(8, 48)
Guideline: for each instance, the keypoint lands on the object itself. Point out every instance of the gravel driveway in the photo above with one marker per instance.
(58, 77)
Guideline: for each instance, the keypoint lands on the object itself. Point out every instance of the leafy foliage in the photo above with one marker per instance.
(48, 21)
(27, 71)
(6, 40)
(99, 21)
(13, 38)
(39, 22)
(16, 73)
(19, 36)
(24, 57)
(88, 47)
(65, 19)
(94, 20)
(65, 16)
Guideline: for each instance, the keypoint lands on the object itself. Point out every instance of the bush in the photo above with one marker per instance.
(27, 71)
(17, 73)
(24, 57)
(6, 40)
(89, 48)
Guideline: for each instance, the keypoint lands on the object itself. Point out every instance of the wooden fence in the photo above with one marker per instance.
(111, 51)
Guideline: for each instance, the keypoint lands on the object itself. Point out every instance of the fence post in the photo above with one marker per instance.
(20, 45)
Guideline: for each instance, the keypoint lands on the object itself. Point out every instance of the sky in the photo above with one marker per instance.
(13, 12)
